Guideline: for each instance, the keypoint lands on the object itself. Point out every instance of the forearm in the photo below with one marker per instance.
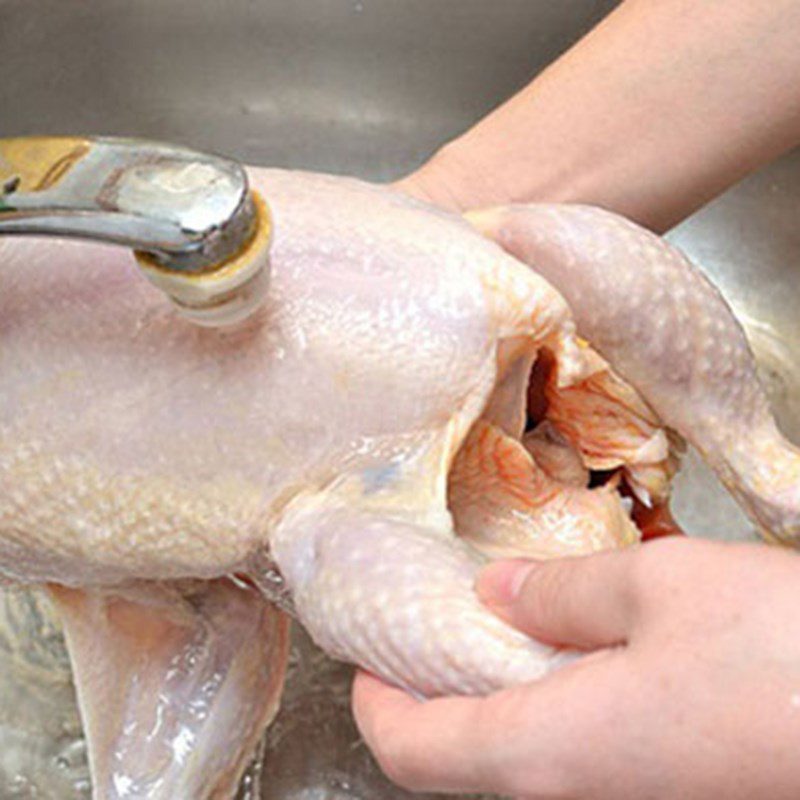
(661, 107)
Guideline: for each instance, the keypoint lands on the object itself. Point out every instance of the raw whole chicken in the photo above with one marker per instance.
(354, 453)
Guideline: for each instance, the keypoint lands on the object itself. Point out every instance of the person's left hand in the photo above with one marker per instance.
(692, 688)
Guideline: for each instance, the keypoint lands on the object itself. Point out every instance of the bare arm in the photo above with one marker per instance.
(661, 107)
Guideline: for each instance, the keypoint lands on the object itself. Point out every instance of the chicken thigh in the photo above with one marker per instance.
(667, 330)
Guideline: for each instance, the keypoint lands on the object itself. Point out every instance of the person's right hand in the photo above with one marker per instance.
(691, 690)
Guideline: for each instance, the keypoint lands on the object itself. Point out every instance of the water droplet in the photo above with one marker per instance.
(273, 577)
(238, 581)
(340, 783)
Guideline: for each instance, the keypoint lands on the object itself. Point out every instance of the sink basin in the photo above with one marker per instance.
(365, 87)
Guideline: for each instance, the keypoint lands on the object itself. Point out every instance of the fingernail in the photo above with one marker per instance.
(500, 583)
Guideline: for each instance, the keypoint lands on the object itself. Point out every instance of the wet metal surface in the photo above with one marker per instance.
(367, 87)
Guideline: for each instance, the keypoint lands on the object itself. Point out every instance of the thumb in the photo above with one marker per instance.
(584, 602)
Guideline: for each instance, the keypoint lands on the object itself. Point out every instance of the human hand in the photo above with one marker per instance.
(691, 689)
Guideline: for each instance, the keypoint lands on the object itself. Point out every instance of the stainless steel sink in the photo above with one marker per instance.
(367, 87)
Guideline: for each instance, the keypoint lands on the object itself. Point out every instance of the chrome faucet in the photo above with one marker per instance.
(198, 231)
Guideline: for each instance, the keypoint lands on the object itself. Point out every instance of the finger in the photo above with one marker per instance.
(520, 741)
(421, 745)
(585, 602)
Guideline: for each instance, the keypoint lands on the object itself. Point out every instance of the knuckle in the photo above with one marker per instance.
(395, 758)
(505, 767)
(546, 782)
(544, 591)
(660, 565)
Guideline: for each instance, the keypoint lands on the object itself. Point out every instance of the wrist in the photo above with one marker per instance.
(450, 179)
